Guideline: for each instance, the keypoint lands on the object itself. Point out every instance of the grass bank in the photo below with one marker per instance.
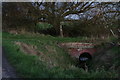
(55, 63)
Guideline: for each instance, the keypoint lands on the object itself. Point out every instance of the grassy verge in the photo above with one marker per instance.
(38, 67)
(0, 38)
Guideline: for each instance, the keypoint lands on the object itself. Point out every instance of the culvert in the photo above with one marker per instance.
(85, 57)
(83, 52)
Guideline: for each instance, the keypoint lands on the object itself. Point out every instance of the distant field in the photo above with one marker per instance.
(52, 62)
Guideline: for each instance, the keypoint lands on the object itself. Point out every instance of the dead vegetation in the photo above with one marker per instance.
(32, 50)
(29, 49)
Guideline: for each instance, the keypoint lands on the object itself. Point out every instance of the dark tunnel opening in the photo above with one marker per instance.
(84, 60)
(85, 57)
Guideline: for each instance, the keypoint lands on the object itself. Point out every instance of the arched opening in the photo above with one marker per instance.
(85, 57)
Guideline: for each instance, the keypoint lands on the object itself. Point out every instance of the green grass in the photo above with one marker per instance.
(43, 26)
(0, 38)
(63, 66)
(25, 64)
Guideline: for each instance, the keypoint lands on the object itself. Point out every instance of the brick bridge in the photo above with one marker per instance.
(82, 51)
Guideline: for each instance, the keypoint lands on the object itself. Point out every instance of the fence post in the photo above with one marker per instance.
(61, 30)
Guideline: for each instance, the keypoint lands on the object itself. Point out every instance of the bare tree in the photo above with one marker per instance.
(106, 16)
(55, 12)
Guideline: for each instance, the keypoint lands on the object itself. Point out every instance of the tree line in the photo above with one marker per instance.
(93, 18)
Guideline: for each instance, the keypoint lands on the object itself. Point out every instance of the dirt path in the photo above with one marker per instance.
(7, 69)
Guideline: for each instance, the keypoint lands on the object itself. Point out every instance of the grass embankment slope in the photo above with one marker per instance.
(52, 60)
